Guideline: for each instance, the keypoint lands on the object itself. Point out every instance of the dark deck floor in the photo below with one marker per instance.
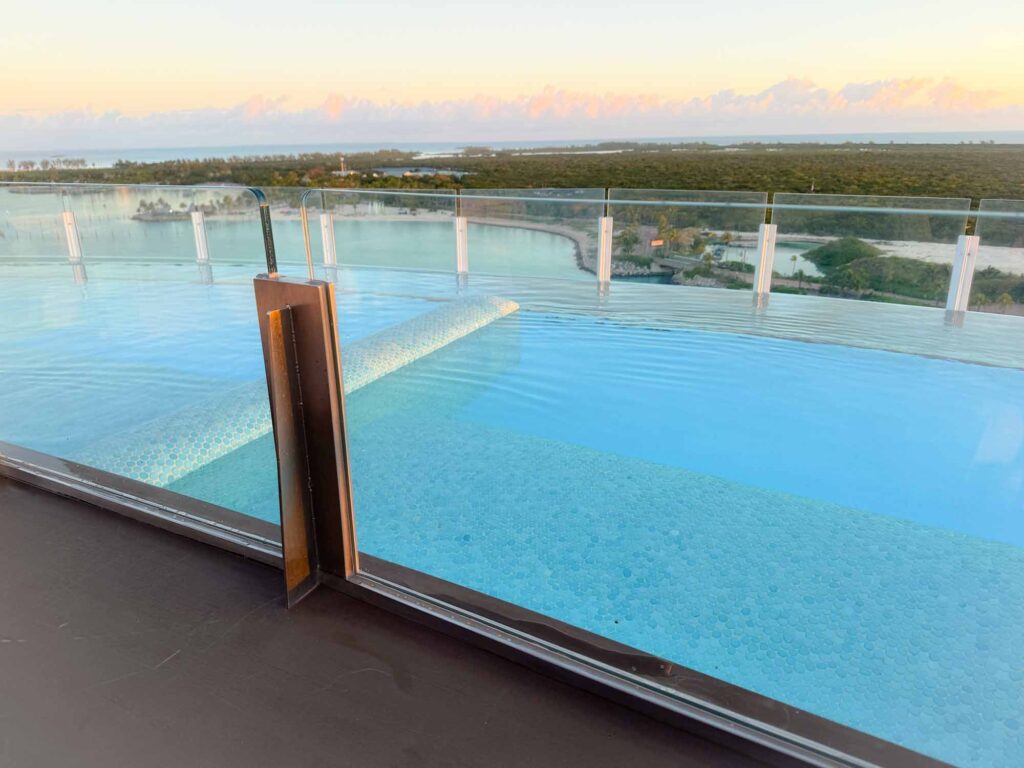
(124, 645)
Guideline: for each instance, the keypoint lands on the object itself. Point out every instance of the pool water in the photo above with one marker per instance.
(832, 526)
(836, 525)
(137, 343)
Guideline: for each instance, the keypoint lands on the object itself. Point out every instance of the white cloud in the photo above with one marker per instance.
(791, 106)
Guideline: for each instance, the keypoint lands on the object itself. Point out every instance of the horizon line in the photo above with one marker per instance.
(555, 143)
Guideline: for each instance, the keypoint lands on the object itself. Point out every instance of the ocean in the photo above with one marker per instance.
(105, 158)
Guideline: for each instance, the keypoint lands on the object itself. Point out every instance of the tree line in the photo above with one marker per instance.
(975, 171)
(46, 165)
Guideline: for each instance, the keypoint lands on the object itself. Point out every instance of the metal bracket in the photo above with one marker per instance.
(298, 325)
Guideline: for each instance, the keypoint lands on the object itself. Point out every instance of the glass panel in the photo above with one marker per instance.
(870, 248)
(999, 275)
(390, 230)
(286, 212)
(701, 244)
(544, 233)
(144, 359)
(31, 229)
(140, 224)
(841, 532)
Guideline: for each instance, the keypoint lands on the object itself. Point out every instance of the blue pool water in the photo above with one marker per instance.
(137, 343)
(900, 435)
(835, 527)
(830, 524)
(838, 528)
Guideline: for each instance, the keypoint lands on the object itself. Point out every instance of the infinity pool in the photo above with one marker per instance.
(837, 528)
(833, 524)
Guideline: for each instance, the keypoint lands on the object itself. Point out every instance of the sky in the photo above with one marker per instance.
(186, 73)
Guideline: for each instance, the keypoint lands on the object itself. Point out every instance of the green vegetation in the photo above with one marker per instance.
(994, 287)
(46, 164)
(852, 267)
(840, 252)
(628, 240)
(975, 171)
(968, 170)
(640, 261)
(304, 170)
(894, 275)
(737, 266)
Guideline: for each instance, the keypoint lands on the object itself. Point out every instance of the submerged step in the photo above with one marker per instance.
(167, 448)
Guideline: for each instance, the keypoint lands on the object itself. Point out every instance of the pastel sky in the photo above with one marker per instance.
(130, 73)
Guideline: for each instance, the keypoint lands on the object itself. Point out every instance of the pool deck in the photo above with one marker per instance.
(122, 644)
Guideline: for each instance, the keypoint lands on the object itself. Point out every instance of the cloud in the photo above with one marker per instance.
(792, 106)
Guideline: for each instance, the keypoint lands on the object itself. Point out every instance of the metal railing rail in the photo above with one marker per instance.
(566, 201)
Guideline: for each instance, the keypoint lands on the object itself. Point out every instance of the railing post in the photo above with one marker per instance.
(461, 239)
(202, 249)
(765, 264)
(604, 250)
(304, 221)
(605, 238)
(959, 296)
(267, 225)
(327, 238)
(74, 241)
(461, 245)
(199, 231)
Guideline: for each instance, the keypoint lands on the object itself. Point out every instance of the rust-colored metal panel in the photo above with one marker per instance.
(309, 428)
(300, 558)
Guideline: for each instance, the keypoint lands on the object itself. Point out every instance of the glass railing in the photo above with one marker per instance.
(545, 233)
(140, 224)
(868, 247)
(375, 228)
(667, 474)
(128, 341)
(32, 226)
(711, 243)
(843, 536)
(999, 274)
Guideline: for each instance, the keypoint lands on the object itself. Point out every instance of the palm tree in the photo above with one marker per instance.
(628, 240)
